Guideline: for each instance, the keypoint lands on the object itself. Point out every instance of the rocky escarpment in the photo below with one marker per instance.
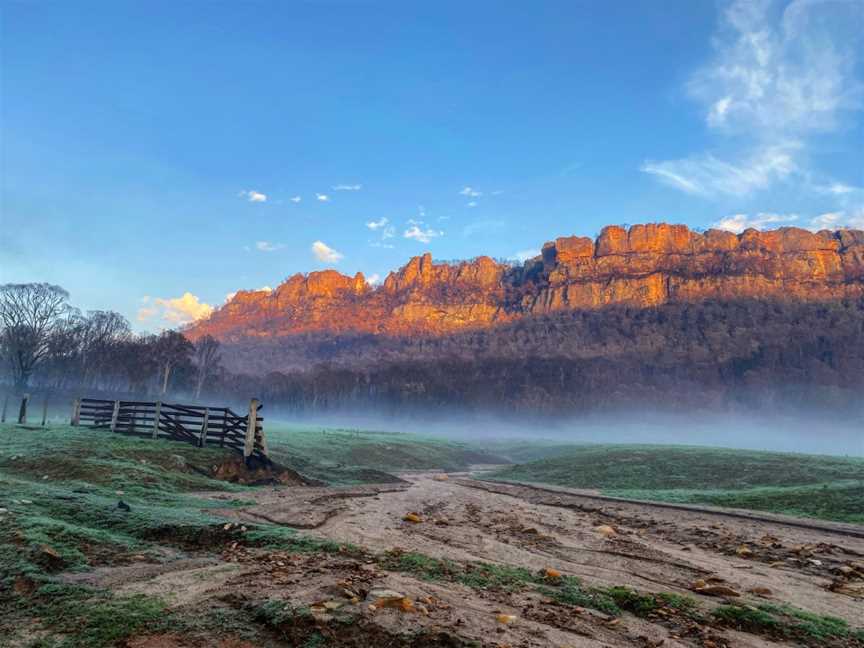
(643, 266)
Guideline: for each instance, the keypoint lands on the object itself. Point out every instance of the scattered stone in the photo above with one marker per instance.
(49, 557)
(442, 477)
(744, 551)
(506, 619)
(3, 511)
(551, 574)
(413, 518)
(701, 587)
(123, 506)
(606, 530)
(761, 591)
(383, 598)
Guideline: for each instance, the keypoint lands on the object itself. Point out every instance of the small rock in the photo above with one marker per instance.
(744, 551)
(506, 619)
(26, 502)
(123, 506)
(442, 477)
(606, 530)
(413, 518)
(551, 574)
(760, 591)
(3, 511)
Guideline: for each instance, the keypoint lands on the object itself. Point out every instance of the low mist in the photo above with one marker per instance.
(810, 434)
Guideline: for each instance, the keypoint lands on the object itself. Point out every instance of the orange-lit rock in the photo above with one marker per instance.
(643, 266)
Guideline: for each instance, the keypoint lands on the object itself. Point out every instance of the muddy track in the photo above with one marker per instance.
(838, 528)
(456, 520)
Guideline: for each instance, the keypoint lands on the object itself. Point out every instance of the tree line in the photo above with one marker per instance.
(46, 343)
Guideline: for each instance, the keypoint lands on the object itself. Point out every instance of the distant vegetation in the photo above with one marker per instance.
(727, 356)
(830, 488)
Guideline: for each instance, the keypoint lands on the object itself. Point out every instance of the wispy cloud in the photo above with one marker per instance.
(523, 255)
(253, 196)
(707, 176)
(325, 253)
(175, 311)
(473, 203)
(374, 279)
(377, 224)
(837, 189)
(295, 199)
(740, 222)
(267, 246)
(470, 192)
(853, 218)
(322, 197)
(776, 78)
(347, 187)
(420, 232)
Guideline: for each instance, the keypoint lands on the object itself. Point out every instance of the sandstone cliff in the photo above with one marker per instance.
(645, 266)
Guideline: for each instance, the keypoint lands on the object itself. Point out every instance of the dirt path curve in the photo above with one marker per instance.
(654, 548)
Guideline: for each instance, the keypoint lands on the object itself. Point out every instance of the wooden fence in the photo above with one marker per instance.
(200, 426)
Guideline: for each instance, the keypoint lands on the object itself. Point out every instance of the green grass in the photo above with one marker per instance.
(788, 622)
(816, 486)
(343, 456)
(495, 577)
(60, 487)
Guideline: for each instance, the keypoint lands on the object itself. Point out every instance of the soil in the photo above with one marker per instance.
(603, 543)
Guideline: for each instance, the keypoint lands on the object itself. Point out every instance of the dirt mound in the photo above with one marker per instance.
(236, 471)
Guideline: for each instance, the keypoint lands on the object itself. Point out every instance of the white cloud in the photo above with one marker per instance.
(348, 187)
(253, 196)
(839, 220)
(177, 310)
(836, 189)
(708, 176)
(376, 225)
(523, 255)
(416, 232)
(373, 279)
(787, 73)
(470, 192)
(322, 197)
(267, 246)
(325, 253)
(740, 222)
(473, 203)
(379, 244)
(295, 199)
(778, 76)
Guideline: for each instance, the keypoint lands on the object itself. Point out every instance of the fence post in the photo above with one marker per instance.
(251, 425)
(76, 412)
(114, 415)
(22, 412)
(5, 403)
(45, 410)
(203, 438)
(156, 416)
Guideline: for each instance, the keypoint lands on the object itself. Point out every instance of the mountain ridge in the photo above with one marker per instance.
(644, 266)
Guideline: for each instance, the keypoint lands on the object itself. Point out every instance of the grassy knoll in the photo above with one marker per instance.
(825, 487)
(352, 456)
(59, 494)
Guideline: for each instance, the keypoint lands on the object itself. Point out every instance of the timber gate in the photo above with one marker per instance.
(198, 425)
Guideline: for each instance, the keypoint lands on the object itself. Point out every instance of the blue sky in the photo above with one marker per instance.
(151, 150)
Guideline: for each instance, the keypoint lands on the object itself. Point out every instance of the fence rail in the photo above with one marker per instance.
(201, 426)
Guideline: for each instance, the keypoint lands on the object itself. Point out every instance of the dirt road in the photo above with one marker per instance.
(652, 549)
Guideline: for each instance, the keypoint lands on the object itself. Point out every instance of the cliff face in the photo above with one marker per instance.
(645, 266)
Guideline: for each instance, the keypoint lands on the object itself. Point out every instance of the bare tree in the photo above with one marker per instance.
(171, 350)
(29, 316)
(101, 334)
(206, 359)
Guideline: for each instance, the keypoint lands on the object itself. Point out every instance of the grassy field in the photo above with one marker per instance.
(825, 487)
(351, 456)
